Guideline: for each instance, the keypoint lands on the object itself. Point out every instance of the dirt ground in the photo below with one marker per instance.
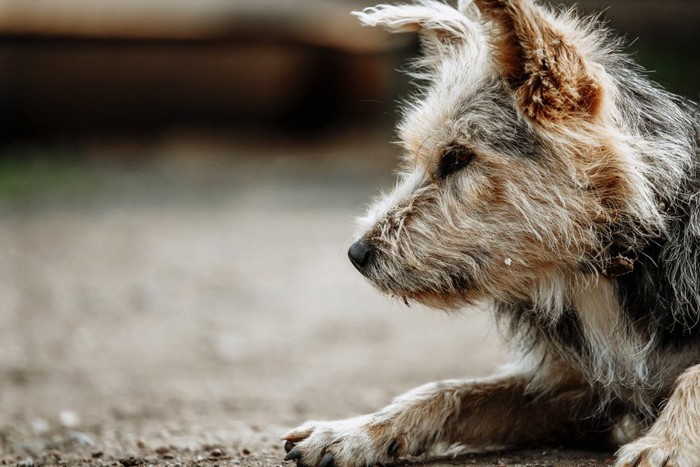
(184, 301)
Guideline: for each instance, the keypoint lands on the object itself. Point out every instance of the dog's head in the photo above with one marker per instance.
(520, 166)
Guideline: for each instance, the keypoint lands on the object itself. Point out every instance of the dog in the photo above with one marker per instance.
(545, 177)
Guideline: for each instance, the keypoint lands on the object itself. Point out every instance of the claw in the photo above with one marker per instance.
(288, 445)
(327, 460)
(294, 454)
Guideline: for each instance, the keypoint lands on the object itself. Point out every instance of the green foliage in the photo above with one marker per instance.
(34, 176)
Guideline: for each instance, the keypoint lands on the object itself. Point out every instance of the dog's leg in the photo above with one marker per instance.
(481, 414)
(674, 439)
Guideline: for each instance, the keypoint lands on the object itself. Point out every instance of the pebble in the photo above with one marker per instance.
(245, 451)
(129, 461)
(28, 462)
(217, 453)
(68, 419)
(39, 426)
(33, 447)
(82, 439)
(162, 450)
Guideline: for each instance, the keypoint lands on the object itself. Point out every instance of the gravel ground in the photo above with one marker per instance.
(185, 301)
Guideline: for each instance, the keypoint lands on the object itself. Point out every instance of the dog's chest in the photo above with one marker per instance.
(613, 354)
(610, 353)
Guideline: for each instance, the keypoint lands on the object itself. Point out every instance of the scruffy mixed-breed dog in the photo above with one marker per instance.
(546, 176)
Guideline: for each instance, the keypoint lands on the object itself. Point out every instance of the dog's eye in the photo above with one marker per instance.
(454, 159)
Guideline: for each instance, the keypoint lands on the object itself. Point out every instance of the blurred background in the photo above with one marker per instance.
(177, 186)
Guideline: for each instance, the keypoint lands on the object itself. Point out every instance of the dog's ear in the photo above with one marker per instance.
(540, 59)
(440, 26)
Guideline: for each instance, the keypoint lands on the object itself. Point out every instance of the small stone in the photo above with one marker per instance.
(97, 454)
(129, 461)
(34, 448)
(217, 453)
(39, 425)
(82, 439)
(162, 450)
(68, 419)
(245, 451)
(140, 444)
(28, 462)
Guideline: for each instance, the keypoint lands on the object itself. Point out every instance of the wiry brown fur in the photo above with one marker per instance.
(549, 76)
(542, 173)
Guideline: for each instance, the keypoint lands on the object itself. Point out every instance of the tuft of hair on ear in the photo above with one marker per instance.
(440, 26)
(428, 16)
(549, 74)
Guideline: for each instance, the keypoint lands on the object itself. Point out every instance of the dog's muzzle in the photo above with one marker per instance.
(361, 254)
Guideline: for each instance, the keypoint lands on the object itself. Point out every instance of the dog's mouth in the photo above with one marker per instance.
(448, 301)
(411, 285)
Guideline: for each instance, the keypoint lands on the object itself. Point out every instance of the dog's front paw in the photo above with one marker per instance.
(653, 451)
(354, 442)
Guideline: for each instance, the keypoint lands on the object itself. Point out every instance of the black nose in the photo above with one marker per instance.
(360, 254)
